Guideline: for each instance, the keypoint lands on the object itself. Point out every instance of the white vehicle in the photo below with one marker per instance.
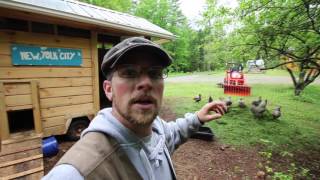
(255, 65)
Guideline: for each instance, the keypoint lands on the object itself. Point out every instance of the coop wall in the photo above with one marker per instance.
(63, 92)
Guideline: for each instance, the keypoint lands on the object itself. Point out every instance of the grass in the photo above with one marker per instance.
(175, 74)
(272, 72)
(298, 127)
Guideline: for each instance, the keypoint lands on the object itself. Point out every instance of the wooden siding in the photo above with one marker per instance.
(22, 157)
(63, 92)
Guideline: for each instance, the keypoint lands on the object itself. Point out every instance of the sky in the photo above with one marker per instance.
(192, 9)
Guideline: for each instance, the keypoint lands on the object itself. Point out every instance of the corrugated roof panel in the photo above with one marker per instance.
(108, 17)
(83, 12)
(90, 11)
(63, 6)
(77, 9)
(101, 14)
(118, 18)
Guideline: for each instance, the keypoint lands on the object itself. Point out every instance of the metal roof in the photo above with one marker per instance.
(90, 14)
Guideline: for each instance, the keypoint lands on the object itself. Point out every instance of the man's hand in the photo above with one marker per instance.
(211, 111)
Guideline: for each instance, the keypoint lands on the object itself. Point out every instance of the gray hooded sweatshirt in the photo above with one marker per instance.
(149, 155)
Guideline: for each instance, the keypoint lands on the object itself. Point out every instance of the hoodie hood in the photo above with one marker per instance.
(106, 123)
(144, 153)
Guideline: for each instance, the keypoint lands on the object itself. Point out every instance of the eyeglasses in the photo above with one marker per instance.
(132, 71)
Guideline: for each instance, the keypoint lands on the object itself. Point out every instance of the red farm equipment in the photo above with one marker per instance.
(234, 81)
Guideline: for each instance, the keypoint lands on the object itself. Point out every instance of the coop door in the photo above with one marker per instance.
(21, 108)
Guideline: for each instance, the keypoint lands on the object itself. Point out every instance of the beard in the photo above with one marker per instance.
(140, 117)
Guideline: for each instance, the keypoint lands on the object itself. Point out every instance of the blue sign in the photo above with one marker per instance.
(45, 56)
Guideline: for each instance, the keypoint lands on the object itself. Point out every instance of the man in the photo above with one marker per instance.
(129, 140)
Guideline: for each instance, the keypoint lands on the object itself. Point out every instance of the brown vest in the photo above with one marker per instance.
(98, 156)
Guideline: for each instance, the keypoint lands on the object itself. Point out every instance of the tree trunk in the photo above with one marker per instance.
(298, 89)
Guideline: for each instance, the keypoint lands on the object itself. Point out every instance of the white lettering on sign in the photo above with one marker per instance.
(67, 55)
(45, 56)
(25, 56)
(29, 56)
(49, 55)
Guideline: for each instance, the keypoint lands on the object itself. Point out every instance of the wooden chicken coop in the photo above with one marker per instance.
(50, 79)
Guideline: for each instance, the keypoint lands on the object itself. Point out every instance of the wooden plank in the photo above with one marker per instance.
(53, 82)
(39, 72)
(21, 155)
(18, 100)
(23, 136)
(72, 111)
(36, 107)
(19, 150)
(64, 101)
(85, 63)
(56, 130)
(54, 121)
(4, 126)
(64, 82)
(24, 173)
(6, 49)
(36, 175)
(17, 88)
(86, 53)
(65, 91)
(95, 70)
(5, 60)
(50, 40)
(16, 108)
(17, 161)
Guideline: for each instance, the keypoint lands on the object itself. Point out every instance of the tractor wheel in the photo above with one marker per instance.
(76, 128)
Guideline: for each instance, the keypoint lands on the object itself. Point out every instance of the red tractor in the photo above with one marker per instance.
(234, 82)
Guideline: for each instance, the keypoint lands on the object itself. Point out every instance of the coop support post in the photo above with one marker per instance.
(4, 126)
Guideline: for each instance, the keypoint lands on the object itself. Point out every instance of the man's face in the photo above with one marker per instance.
(135, 90)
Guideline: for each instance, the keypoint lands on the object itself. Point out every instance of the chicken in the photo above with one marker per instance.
(197, 98)
(256, 102)
(210, 99)
(258, 110)
(276, 112)
(227, 101)
(241, 103)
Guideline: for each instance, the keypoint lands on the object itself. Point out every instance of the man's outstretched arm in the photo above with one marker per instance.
(177, 132)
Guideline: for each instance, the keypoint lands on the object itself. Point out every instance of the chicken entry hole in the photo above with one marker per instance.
(20, 120)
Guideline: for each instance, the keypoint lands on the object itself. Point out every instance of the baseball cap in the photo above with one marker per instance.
(114, 55)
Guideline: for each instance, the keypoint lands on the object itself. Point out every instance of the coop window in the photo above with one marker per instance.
(20, 120)
(74, 32)
(107, 38)
(42, 27)
(13, 24)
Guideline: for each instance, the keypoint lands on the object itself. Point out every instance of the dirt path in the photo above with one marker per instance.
(198, 159)
(250, 78)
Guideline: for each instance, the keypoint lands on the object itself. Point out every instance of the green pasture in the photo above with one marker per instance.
(273, 72)
(298, 127)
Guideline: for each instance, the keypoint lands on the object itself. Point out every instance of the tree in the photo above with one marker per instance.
(219, 38)
(167, 14)
(288, 29)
